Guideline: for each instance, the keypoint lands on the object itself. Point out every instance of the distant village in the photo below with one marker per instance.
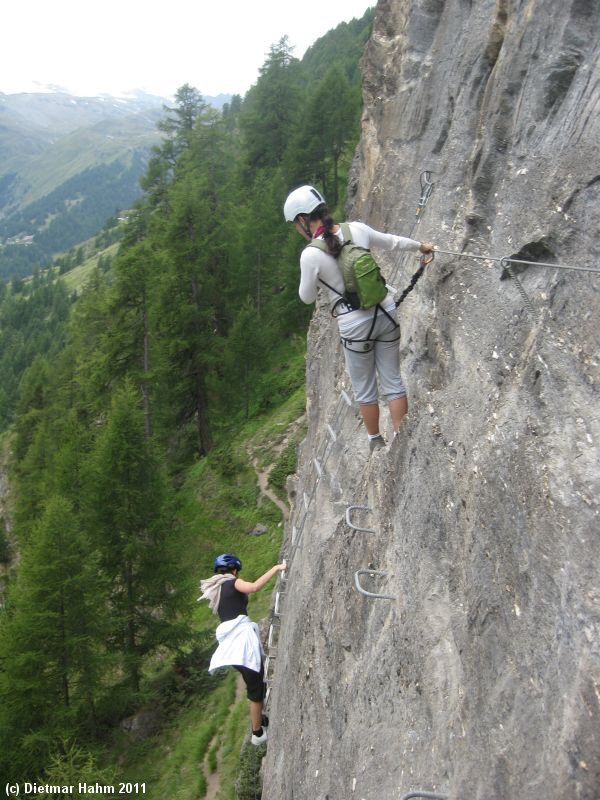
(20, 238)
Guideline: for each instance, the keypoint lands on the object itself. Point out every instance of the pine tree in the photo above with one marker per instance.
(193, 283)
(132, 528)
(51, 653)
(272, 108)
(329, 127)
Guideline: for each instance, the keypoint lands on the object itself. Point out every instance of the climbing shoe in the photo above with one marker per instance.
(259, 739)
(376, 442)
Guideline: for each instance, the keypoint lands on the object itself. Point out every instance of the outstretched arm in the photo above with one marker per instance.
(248, 587)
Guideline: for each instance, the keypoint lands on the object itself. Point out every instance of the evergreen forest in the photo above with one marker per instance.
(130, 409)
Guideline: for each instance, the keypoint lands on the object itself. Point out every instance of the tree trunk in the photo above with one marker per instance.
(64, 667)
(204, 435)
(131, 649)
(145, 385)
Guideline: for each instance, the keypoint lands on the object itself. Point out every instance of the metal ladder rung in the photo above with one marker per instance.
(372, 573)
(278, 596)
(347, 399)
(268, 660)
(270, 636)
(351, 524)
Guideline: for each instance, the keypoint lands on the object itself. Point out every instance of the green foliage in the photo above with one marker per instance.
(248, 785)
(74, 211)
(32, 324)
(51, 662)
(129, 515)
(5, 553)
(342, 46)
(72, 766)
(271, 109)
(284, 466)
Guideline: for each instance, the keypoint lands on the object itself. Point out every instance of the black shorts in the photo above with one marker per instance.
(255, 683)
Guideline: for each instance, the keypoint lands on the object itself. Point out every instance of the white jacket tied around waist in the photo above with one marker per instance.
(239, 645)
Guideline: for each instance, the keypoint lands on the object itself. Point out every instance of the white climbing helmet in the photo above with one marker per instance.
(302, 201)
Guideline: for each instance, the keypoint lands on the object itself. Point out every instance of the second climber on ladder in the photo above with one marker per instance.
(238, 636)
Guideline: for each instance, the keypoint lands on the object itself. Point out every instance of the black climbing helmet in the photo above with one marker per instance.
(227, 561)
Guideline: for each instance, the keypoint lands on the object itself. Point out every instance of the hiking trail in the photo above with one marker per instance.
(262, 475)
(213, 781)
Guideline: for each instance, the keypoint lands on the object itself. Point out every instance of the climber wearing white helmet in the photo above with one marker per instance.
(369, 335)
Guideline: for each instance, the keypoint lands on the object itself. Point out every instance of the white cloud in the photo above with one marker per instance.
(112, 47)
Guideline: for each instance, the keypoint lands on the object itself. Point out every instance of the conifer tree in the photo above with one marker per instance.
(50, 644)
(178, 126)
(243, 362)
(329, 126)
(272, 108)
(193, 284)
(128, 345)
(134, 533)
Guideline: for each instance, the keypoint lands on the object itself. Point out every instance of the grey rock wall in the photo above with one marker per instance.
(481, 678)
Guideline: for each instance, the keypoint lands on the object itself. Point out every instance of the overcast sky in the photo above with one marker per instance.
(90, 47)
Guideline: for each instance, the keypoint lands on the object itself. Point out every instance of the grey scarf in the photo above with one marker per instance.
(211, 589)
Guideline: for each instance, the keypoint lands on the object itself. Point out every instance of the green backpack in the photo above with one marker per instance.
(364, 285)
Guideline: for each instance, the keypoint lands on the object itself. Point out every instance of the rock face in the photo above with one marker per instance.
(481, 677)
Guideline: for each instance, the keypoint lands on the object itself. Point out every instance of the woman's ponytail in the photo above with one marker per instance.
(331, 240)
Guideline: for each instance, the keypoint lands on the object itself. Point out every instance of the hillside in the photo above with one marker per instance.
(476, 674)
(67, 164)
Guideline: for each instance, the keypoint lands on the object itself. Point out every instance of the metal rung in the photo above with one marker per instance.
(347, 399)
(278, 596)
(267, 696)
(270, 636)
(372, 573)
(349, 521)
(331, 432)
(429, 795)
(294, 533)
(306, 501)
(318, 467)
(268, 660)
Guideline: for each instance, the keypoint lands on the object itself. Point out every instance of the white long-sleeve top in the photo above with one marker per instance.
(315, 264)
(239, 645)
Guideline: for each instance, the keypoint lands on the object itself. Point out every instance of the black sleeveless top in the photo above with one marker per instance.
(232, 602)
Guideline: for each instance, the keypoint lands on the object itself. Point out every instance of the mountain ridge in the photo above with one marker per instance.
(52, 141)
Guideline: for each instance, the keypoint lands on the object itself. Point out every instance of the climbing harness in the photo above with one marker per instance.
(367, 344)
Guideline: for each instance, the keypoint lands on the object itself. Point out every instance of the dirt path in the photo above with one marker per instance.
(213, 782)
(263, 475)
(263, 485)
